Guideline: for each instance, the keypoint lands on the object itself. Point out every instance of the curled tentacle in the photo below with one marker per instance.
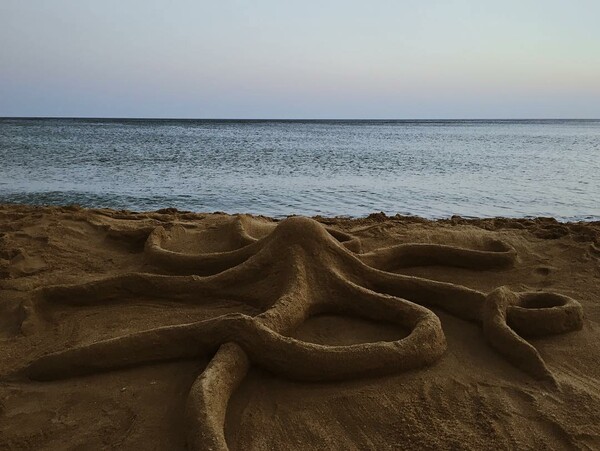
(296, 359)
(505, 340)
(200, 264)
(542, 313)
(426, 332)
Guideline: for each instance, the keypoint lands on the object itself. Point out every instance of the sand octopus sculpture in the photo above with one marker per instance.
(289, 271)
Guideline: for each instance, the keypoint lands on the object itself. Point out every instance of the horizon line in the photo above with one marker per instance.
(300, 119)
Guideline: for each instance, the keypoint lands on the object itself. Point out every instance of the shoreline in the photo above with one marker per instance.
(375, 215)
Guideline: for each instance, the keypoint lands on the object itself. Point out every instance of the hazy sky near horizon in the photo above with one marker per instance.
(300, 59)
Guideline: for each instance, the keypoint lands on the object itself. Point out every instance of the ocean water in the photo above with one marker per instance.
(332, 168)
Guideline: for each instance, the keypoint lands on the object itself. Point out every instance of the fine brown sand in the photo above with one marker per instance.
(173, 330)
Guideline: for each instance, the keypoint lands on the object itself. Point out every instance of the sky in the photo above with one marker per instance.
(396, 59)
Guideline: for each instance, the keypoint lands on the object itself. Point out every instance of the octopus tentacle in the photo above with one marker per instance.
(277, 353)
(530, 314)
(118, 287)
(454, 299)
(200, 264)
(505, 340)
(350, 242)
(544, 313)
(206, 406)
(266, 347)
(155, 345)
(210, 394)
(365, 303)
(417, 254)
(185, 288)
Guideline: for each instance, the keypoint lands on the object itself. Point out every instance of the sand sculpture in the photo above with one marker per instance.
(290, 271)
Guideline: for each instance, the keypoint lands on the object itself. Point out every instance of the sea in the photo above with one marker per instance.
(428, 168)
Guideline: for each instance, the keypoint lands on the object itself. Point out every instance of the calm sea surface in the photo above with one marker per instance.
(276, 168)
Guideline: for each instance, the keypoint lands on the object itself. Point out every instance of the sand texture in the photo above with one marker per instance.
(174, 330)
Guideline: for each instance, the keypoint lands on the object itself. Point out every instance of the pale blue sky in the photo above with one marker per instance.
(300, 59)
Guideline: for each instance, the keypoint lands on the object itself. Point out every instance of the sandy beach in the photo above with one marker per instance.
(176, 330)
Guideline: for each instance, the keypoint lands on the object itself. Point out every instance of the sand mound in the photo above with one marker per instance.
(241, 291)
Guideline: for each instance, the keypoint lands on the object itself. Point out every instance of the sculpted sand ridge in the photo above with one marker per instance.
(285, 273)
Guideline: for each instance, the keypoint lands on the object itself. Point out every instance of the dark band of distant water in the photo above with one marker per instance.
(277, 168)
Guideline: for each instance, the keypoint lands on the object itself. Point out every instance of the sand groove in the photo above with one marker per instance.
(290, 271)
